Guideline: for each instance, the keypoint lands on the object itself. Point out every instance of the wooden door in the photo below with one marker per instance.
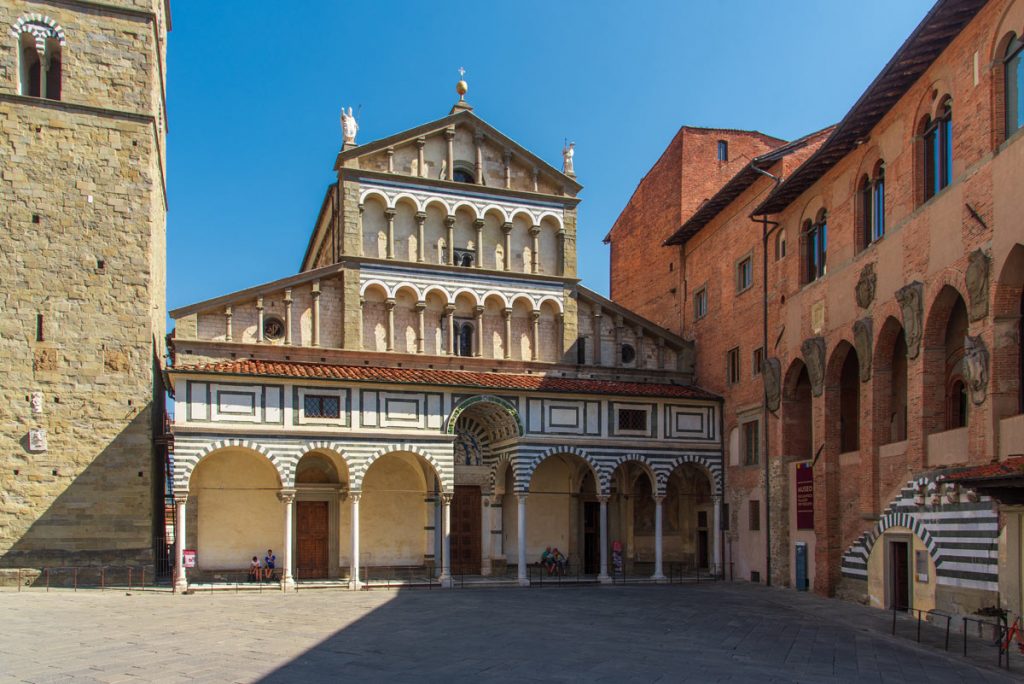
(311, 535)
(899, 555)
(465, 530)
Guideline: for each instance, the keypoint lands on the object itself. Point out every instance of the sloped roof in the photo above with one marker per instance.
(941, 25)
(1011, 468)
(451, 378)
(738, 184)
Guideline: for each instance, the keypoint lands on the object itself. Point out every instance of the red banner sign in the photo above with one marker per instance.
(804, 497)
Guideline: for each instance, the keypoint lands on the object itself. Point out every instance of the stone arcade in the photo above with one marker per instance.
(435, 391)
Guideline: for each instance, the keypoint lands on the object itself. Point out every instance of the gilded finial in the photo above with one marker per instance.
(462, 87)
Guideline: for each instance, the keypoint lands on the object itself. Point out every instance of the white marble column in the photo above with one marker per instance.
(521, 539)
(507, 315)
(478, 321)
(479, 225)
(287, 497)
(449, 136)
(449, 226)
(597, 335)
(478, 141)
(421, 218)
(716, 535)
(315, 294)
(180, 574)
(259, 319)
(288, 315)
(535, 335)
(227, 323)
(658, 571)
(535, 245)
(354, 581)
(389, 214)
(603, 576)
(506, 228)
(508, 168)
(446, 540)
(421, 307)
(485, 535)
(389, 305)
(421, 163)
(449, 317)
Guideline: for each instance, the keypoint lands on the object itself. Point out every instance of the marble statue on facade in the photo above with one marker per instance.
(567, 154)
(349, 126)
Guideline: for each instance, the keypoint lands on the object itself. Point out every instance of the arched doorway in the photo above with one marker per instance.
(320, 479)
(797, 413)
(564, 512)
(397, 515)
(889, 384)
(687, 519)
(482, 425)
(234, 512)
(631, 516)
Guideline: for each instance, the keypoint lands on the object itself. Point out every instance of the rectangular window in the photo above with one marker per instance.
(321, 406)
(700, 303)
(751, 443)
(632, 420)
(732, 363)
(744, 274)
(754, 514)
(757, 361)
(723, 151)
(581, 351)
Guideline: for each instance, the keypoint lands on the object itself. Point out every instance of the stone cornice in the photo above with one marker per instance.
(457, 188)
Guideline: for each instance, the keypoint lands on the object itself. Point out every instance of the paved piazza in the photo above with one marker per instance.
(639, 633)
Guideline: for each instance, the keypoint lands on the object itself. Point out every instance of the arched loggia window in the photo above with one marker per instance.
(815, 247)
(40, 40)
(1013, 92)
(463, 338)
(872, 206)
(937, 141)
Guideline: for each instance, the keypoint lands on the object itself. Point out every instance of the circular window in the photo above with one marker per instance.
(628, 353)
(273, 328)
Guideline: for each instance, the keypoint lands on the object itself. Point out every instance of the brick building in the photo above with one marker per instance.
(82, 258)
(855, 296)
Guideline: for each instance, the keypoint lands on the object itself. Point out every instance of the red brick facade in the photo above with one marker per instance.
(887, 407)
(648, 281)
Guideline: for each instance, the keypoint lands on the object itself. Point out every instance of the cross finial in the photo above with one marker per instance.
(462, 72)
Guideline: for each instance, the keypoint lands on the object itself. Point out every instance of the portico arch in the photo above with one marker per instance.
(321, 522)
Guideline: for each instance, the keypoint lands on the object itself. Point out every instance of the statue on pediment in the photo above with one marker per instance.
(349, 126)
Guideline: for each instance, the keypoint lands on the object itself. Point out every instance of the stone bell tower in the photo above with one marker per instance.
(82, 293)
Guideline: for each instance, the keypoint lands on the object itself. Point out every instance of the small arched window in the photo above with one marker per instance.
(40, 40)
(1013, 91)
(872, 206)
(816, 246)
(463, 173)
(937, 141)
(780, 244)
(464, 338)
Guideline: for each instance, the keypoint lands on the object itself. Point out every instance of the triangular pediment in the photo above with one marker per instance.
(400, 154)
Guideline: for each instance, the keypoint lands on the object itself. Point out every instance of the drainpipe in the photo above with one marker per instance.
(765, 232)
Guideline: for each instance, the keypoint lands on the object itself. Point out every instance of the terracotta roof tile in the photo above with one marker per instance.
(495, 381)
(1011, 467)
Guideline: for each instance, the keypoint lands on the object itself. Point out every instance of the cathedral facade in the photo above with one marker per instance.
(434, 391)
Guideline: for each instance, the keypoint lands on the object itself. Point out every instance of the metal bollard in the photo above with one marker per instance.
(47, 570)
(19, 579)
(103, 584)
(129, 578)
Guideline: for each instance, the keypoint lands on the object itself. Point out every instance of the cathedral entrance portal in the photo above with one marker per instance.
(312, 529)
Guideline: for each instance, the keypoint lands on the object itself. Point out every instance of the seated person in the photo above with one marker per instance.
(559, 561)
(545, 559)
(268, 564)
(254, 569)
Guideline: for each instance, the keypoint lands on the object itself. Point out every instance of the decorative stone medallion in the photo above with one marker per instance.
(911, 300)
(813, 350)
(976, 367)
(866, 286)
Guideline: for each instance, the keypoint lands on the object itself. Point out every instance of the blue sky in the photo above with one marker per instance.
(254, 90)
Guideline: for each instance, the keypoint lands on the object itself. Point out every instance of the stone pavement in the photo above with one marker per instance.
(700, 633)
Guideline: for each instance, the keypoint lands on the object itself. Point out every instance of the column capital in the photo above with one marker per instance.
(286, 496)
(521, 496)
(603, 498)
(389, 213)
(390, 151)
(449, 221)
(180, 498)
(259, 303)
(449, 309)
(506, 313)
(478, 136)
(420, 216)
(659, 499)
(716, 499)
(478, 311)
(506, 227)
(227, 311)
(598, 312)
(535, 315)
(420, 306)
(389, 303)
(421, 142)
(287, 295)
(446, 498)
(478, 223)
(362, 207)
(315, 290)
(354, 495)
(534, 231)
(449, 133)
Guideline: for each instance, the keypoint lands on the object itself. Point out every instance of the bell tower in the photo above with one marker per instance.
(82, 302)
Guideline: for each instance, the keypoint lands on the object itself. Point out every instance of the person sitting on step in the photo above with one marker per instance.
(268, 564)
(254, 569)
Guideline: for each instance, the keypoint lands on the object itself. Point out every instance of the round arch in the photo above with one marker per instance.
(713, 473)
(183, 476)
(503, 404)
(360, 473)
